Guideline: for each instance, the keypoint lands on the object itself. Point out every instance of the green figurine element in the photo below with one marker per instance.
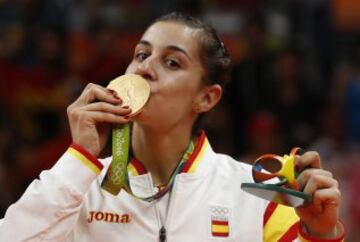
(275, 180)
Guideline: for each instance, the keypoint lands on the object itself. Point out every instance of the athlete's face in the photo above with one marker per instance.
(168, 57)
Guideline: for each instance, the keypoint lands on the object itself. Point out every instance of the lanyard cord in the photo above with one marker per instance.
(168, 187)
(162, 219)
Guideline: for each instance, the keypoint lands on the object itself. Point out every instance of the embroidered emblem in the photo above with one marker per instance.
(219, 217)
(107, 217)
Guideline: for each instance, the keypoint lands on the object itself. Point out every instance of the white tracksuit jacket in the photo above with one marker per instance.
(206, 204)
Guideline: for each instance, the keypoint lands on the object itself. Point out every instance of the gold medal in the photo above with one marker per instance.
(133, 90)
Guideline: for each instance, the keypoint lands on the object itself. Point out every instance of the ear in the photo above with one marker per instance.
(207, 98)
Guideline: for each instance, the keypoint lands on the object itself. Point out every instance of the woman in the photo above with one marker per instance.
(185, 64)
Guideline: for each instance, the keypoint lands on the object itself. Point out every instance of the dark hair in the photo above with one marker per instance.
(214, 56)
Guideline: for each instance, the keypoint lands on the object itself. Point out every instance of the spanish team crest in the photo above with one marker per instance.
(219, 222)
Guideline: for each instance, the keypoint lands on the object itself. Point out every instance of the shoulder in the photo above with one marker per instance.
(228, 166)
(239, 166)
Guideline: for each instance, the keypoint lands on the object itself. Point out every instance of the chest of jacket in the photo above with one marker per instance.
(210, 207)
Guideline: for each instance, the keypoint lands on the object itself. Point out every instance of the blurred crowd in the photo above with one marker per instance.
(295, 79)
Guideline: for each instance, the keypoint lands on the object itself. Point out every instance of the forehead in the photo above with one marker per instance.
(163, 34)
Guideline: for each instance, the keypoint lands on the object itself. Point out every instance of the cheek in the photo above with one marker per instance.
(163, 108)
(176, 100)
(169, 100)
(130, 68)
(178, 90)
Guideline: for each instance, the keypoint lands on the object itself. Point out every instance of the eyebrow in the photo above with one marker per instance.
(170, 47)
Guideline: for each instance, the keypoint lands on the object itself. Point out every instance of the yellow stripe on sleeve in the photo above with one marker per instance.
(279, 223)
(84, 160)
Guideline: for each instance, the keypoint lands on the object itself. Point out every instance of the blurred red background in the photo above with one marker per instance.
(295, 81)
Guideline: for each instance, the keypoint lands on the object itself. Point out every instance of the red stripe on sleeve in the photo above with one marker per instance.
(89, 156)
(291, 234)
(269, 211)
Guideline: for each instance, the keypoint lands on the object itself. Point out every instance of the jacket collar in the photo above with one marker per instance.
(135, 167)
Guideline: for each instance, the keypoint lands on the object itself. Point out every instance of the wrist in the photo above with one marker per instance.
(87, 148)
(88, 153)
(334, 235)
(323, 234)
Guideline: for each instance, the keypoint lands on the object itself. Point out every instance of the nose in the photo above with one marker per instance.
(146, 69)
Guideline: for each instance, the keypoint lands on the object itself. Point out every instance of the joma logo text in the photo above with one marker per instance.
(108, 217)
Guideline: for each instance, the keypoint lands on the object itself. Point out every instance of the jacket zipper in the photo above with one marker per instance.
(162, 234)
(163, 224)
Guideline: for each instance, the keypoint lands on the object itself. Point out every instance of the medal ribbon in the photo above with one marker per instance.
(117, 177)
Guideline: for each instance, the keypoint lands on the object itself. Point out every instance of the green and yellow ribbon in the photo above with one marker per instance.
(116, 176)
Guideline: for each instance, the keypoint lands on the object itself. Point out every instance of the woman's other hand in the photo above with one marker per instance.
(92, 115)
(321, 216)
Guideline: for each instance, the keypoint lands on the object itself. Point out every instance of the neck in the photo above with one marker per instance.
(160, 152)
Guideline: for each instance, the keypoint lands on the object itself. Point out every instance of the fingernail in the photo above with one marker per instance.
(111, 91)
(126, 117)
(114, 94)
(126, 107)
